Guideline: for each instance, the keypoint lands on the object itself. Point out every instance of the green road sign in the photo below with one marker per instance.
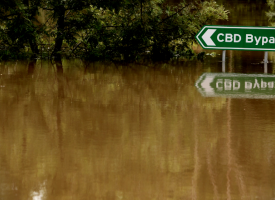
(237, 38)
(257, 86)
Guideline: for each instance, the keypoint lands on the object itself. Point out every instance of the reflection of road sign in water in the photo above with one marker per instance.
(237, 37)
(237, 85)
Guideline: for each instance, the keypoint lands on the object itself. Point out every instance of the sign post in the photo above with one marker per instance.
(251, 38)
(223, 60)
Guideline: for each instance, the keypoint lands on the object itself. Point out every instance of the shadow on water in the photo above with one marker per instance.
(60, 78)
(59, 67)
(31, 66)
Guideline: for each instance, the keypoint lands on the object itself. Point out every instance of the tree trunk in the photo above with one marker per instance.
(34, 46)
(32, 40)
(60, 12)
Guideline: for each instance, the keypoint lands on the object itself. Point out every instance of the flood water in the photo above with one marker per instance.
(182, 130)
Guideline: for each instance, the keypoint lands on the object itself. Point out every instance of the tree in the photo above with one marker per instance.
(271, 13)
(99, 30)
(71, 17)
(18, 27)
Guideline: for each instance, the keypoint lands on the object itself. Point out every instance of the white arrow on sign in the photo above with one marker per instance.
(207, 37)
(206, 85)
(204, 82)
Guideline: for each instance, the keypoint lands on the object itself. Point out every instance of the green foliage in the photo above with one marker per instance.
(149, 29)
(271, 13)
(105, 30)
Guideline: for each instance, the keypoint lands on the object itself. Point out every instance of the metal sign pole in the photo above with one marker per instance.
(223, 60)
(223, 55)
(265, 61)
(265, 68)
(266, 57)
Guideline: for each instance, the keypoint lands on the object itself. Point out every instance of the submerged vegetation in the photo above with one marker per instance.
(113, 30)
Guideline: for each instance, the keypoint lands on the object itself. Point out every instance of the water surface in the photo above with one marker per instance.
(130, 132)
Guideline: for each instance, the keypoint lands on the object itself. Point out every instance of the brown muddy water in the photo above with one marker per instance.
(182, 130)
